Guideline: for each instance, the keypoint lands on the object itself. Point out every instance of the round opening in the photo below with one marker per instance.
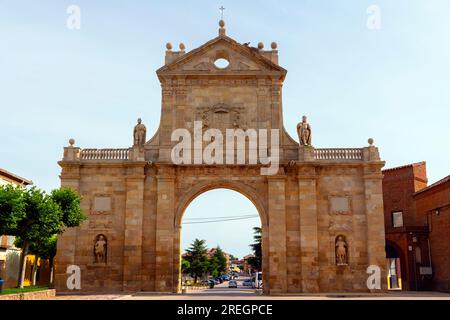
(221, 63)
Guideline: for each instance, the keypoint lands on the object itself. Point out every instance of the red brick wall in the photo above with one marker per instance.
(426, 202)
(399, 186)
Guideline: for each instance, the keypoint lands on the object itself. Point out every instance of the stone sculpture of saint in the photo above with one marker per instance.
(304, 132)
(341, 251)
(139, 134)
(100, 248)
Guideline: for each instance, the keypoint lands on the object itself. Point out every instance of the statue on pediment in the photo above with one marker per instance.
(304, 132)
(139, 134)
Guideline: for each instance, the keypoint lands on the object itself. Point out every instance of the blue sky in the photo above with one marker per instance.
(353, 83)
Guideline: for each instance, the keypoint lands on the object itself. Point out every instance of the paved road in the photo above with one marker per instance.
(222, 292)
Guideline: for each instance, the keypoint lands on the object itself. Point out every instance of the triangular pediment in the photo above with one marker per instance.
(242, 59)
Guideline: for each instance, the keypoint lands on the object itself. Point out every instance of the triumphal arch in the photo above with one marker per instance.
(321, 209)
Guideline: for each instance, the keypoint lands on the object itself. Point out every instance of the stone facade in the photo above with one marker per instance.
(136, 197)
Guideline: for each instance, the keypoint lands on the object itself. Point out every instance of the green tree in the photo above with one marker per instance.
(256, 260)
(69, 202)
(12, 208)
(44, 249)
(220, 261)
(35, 217)
(197, 258)
(185, 266)
(213, 266)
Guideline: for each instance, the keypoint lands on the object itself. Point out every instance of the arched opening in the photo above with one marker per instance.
(394, 266)
(222, 215)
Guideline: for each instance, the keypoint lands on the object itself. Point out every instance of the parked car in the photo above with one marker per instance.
(247, 283)
(225, 278)
(218, 279)
(232, 284)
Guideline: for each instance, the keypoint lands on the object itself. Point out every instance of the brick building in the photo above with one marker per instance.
(407, 244)
(433, 204)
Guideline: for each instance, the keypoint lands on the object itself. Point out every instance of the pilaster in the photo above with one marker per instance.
(308, 229)
(134, 210)
(277, 234)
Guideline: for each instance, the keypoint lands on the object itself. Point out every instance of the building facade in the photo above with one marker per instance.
(433, 204)
(321, 211)
(406, 230)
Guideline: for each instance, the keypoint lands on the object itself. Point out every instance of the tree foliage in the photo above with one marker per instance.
(69, 203)
(256, 260)
(35, 218)
(12, 208)
(197, 263)
(197, 258)
(220, 261)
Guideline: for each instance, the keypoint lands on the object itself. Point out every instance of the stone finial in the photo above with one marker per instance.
(260, 45)
(182, 46)
(222, 24)
(370, 141)
(71, 142)
(274, 45)
(169, 46)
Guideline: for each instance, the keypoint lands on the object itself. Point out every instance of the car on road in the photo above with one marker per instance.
(247, 283)
(225, 278)
(232, 284)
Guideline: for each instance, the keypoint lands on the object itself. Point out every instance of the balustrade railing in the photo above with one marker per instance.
(104, 154)
(338, 154)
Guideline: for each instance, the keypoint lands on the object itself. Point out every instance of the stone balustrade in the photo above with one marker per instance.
(104, 154)
(338, 154)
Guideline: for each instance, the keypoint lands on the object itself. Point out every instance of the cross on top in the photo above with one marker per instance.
(221, 12)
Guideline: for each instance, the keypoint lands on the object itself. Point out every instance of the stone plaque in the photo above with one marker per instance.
(340, 204)
(101, 204)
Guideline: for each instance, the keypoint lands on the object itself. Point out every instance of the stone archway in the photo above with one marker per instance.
(136, 196)
(203, 187)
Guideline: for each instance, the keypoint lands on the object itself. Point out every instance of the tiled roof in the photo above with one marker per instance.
(15, 177)
(431, 186)
(405, 166)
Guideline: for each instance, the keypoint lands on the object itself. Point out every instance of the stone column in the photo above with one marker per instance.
(309, 245)
(66, 246)
(165, 233)
(277, 234)
(375, 217)
(168, 116)
(277, 116)
(134, 211)
(177, 259)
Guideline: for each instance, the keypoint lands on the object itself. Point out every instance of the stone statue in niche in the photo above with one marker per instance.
(304, 132)
(100, 249)
(341, 248)
(139, 133)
